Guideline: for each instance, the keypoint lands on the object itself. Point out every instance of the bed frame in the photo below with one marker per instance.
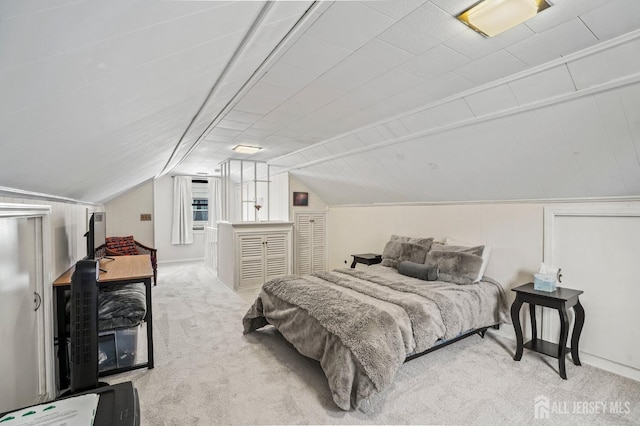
(478, 331)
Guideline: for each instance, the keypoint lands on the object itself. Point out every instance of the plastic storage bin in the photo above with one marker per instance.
(117, 348)
(544, 282)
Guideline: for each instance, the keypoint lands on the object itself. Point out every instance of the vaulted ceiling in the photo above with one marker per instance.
(365, 102)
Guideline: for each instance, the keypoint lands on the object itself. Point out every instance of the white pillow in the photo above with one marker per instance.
(450, 241)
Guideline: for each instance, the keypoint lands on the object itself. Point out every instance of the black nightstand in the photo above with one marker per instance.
(366, 259)
(561, 299)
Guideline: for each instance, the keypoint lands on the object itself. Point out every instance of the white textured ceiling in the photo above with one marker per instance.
(371, 101)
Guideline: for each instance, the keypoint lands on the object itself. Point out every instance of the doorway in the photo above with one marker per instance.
(25, 307)
(597, 249)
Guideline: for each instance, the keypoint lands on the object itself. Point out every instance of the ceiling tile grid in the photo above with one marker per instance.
(364, 65)
(314, 55)
(543, 85)
(435, 62)
(492, 100)
(452, 112)
(349, 24)
(491, 67)
(562, 11)
(558, 41)
(370, 136)
(125, 79)
(419, 121)
(431, 91)
(392, 129)
(498, 64)
(553, 140)
(395, 9)
(474, 46)
(607, 65)
(613, 18)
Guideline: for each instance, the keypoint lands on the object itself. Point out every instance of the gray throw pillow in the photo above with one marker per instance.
(395, 252)
(413, 240)
(456, 267)
(418, 270)
(477, 250)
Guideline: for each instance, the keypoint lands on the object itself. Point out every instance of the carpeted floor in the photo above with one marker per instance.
(207, 372)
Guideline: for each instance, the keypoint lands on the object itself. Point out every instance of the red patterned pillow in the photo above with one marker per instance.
(123, 245)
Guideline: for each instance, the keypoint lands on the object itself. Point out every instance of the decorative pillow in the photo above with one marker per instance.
(418, 270)
(485, 254)
(419, 241)
(477, 250)
(456, 267)
(396, 251)
(123, 245)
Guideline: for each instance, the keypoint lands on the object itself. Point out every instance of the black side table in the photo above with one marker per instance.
(366, 259)
(561, 299)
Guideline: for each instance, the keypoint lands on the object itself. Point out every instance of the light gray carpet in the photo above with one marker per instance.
(208, 372)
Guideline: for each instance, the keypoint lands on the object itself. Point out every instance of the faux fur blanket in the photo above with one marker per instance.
(121, 306)
(362, 325)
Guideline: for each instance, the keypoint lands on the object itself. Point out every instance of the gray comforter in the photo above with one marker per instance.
(121, 306)
(360, 325)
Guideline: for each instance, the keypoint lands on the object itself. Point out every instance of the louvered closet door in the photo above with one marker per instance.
(251, 259)
(303, 243)
(310, 242)
(277, 255)
(318, 245)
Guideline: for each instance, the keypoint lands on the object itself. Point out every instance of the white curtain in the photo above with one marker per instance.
(215, 202)
(182, 231)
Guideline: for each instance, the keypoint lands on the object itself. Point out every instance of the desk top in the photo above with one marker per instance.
(119, 269)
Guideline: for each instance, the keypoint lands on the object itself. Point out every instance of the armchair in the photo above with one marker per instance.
(124, 246)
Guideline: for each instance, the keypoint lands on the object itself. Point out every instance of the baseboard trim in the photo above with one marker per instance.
(506, 331)
(611, 366)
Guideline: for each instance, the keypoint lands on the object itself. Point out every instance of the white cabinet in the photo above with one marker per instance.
(252, 253)
(310, 242)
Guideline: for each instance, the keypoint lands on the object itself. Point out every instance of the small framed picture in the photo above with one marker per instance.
(300, 198)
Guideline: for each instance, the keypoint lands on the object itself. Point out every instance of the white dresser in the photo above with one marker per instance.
(250, 253)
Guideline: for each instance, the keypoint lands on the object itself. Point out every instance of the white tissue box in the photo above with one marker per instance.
(544, 282)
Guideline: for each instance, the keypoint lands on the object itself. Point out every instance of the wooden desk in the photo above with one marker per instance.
(120, 270)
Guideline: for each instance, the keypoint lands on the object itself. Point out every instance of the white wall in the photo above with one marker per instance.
(514, 232)
(123, 214)
(315, 202)
(279, 197)
(163, 213)
(68, 226)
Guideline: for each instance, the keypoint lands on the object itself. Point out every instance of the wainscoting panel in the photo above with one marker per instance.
(598, 252)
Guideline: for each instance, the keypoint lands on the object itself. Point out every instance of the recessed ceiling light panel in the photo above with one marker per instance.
(491, 17)
(246, 149)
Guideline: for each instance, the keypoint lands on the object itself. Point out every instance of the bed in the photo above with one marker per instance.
(362, 324)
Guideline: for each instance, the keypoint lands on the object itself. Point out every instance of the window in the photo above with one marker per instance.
(200, 203)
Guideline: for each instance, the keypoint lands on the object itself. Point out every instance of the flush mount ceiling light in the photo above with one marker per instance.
(491, 17)
(246, 149)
